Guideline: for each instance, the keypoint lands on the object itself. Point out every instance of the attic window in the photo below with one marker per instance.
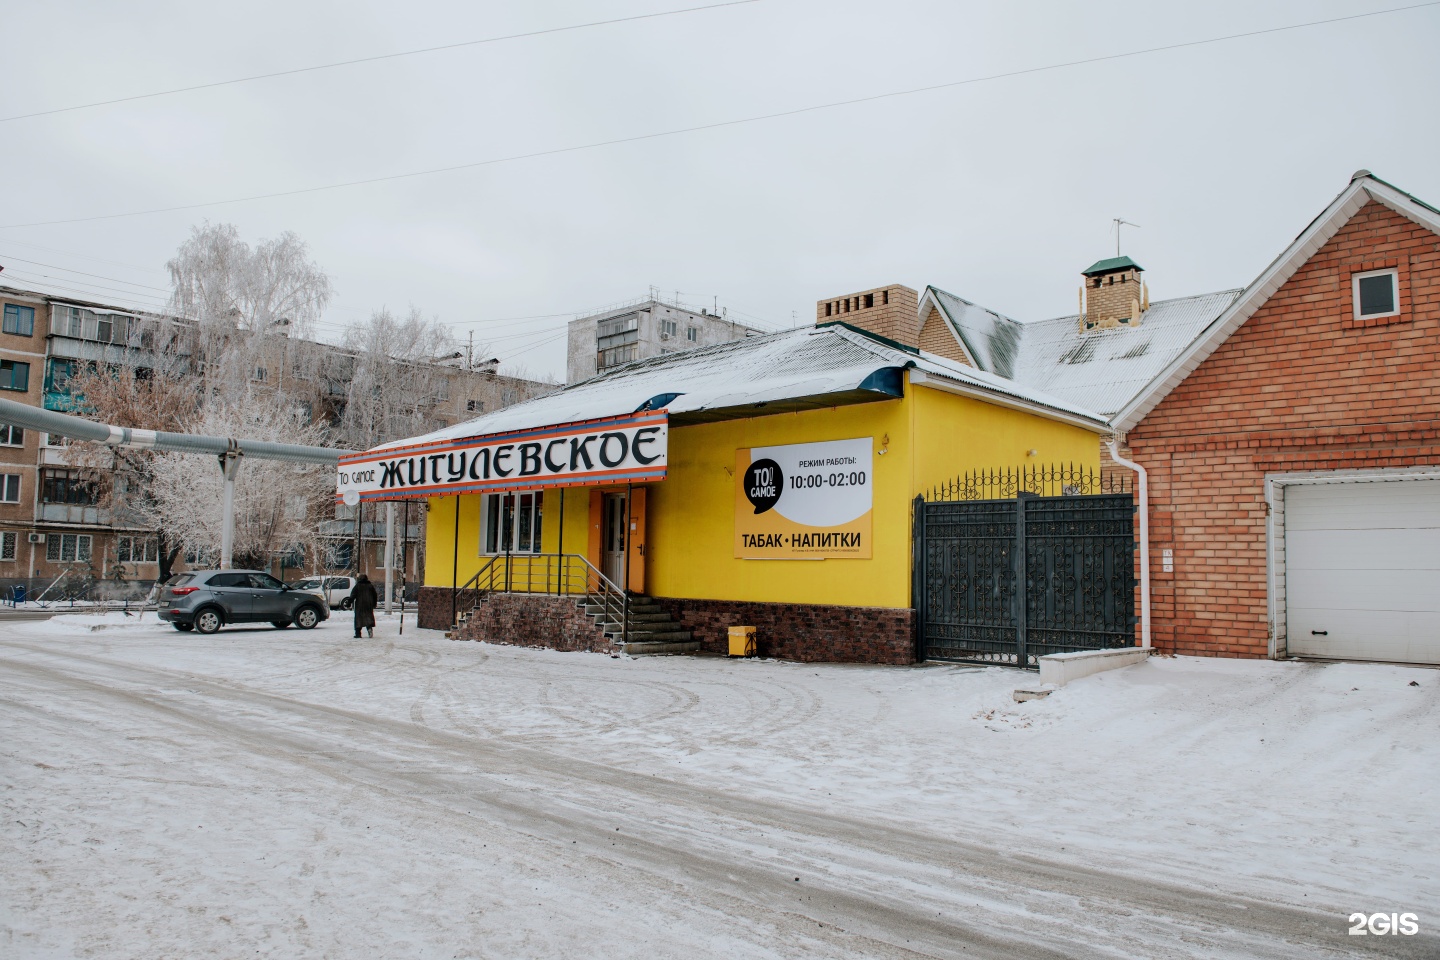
(1377, 294)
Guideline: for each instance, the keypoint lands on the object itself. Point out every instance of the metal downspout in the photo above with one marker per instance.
(1144, 539)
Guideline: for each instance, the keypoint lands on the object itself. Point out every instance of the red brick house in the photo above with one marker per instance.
(1289, 430)
(1293, 450)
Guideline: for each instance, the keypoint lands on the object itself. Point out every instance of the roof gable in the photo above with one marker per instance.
(1363, 189)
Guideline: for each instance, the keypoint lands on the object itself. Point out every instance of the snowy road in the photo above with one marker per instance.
(280, 794)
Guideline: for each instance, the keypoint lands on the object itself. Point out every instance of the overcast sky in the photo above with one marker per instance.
(1000, 192)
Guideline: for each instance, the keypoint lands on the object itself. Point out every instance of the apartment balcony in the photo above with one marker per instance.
(73, 513)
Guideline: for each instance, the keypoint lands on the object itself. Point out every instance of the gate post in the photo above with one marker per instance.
(1022, 580)
(917, 576)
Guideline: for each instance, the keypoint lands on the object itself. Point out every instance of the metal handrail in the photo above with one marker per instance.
(560, 573)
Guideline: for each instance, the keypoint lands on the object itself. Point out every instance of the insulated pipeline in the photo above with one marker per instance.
(78, 428)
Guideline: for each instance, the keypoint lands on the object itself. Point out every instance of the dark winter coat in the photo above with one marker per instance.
(364, 598)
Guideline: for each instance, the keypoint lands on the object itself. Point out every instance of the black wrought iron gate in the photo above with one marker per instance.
(1008, 581)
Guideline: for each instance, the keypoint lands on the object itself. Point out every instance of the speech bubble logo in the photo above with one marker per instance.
(764, 482)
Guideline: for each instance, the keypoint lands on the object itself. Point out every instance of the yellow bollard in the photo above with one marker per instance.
(742, 641)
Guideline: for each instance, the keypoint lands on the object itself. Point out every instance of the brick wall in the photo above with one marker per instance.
(527, 620)
(433, 605)
(1110, 297)
(1300, 386)
(891, 312)
(936, 337)
(805, 632)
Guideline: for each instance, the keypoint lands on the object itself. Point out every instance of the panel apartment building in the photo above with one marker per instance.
(50, 522)
(641, 329)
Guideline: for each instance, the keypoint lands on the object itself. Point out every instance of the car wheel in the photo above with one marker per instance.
(183, 627)
(280, 624)
(306, 618)
(208, 620)
(347, 603)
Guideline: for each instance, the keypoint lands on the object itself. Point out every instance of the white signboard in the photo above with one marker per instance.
(804, 500)
(629, 449)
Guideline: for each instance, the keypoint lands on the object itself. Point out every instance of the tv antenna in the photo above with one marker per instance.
(1118, 224)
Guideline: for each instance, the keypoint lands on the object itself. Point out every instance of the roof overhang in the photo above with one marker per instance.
(1094, 422)
(1362, 190)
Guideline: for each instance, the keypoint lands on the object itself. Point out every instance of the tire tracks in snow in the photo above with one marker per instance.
(871, 885)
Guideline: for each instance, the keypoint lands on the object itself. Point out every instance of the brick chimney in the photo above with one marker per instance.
(891, 312)
(1113, 294)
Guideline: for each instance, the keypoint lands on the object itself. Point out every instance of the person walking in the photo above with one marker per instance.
(363, 600)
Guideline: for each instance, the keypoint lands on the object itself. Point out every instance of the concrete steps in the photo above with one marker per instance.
(652, 630)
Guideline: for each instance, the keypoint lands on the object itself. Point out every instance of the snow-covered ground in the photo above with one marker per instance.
(288, 794)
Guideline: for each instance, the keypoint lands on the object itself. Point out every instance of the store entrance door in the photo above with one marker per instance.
(614, 517)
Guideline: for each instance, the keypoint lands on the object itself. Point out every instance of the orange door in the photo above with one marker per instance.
(636, 559)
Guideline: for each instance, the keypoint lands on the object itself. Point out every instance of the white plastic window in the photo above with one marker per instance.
(1376, 293)
(511, 522)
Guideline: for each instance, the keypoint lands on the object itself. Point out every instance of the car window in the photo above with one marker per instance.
(230, 580)
(179, 578)
(307, 585)
(337, 583)
(263, 581)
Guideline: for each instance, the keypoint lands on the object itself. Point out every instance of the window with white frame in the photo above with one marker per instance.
(11, 436)
(1377, 294)
(68, 548)
(510, 522)
(136, 550)
(691, 334)
(9, 488)
(8, 539)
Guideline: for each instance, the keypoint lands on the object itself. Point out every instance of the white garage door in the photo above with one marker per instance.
(1362, 570)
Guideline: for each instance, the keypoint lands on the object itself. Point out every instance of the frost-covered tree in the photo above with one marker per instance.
(156, 390)
(244, 299)
(276, 502)
(399, 374)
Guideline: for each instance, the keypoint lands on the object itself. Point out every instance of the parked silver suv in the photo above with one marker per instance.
(206, 600)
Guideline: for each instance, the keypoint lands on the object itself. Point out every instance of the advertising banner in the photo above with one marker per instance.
(804, 501)
(627, 449)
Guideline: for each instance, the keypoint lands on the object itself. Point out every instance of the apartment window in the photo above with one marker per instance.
(8, 539)
(339, 554)
(668, 328)
(9, 488)
(137, 550)
(14, 375)
(260, 375)
(55, 440)
(1377, 294)
(615, 340)
(11, 436)
(66, 486)
(511, 522)
(198, 557)
(474, 406)
(19, 320)
(68, 548)
(614, 356)
(692, 334)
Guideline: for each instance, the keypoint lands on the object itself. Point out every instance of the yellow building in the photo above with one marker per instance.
(765, 482)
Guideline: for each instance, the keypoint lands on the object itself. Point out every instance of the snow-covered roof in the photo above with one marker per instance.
(810, 367)
(1097, 369)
